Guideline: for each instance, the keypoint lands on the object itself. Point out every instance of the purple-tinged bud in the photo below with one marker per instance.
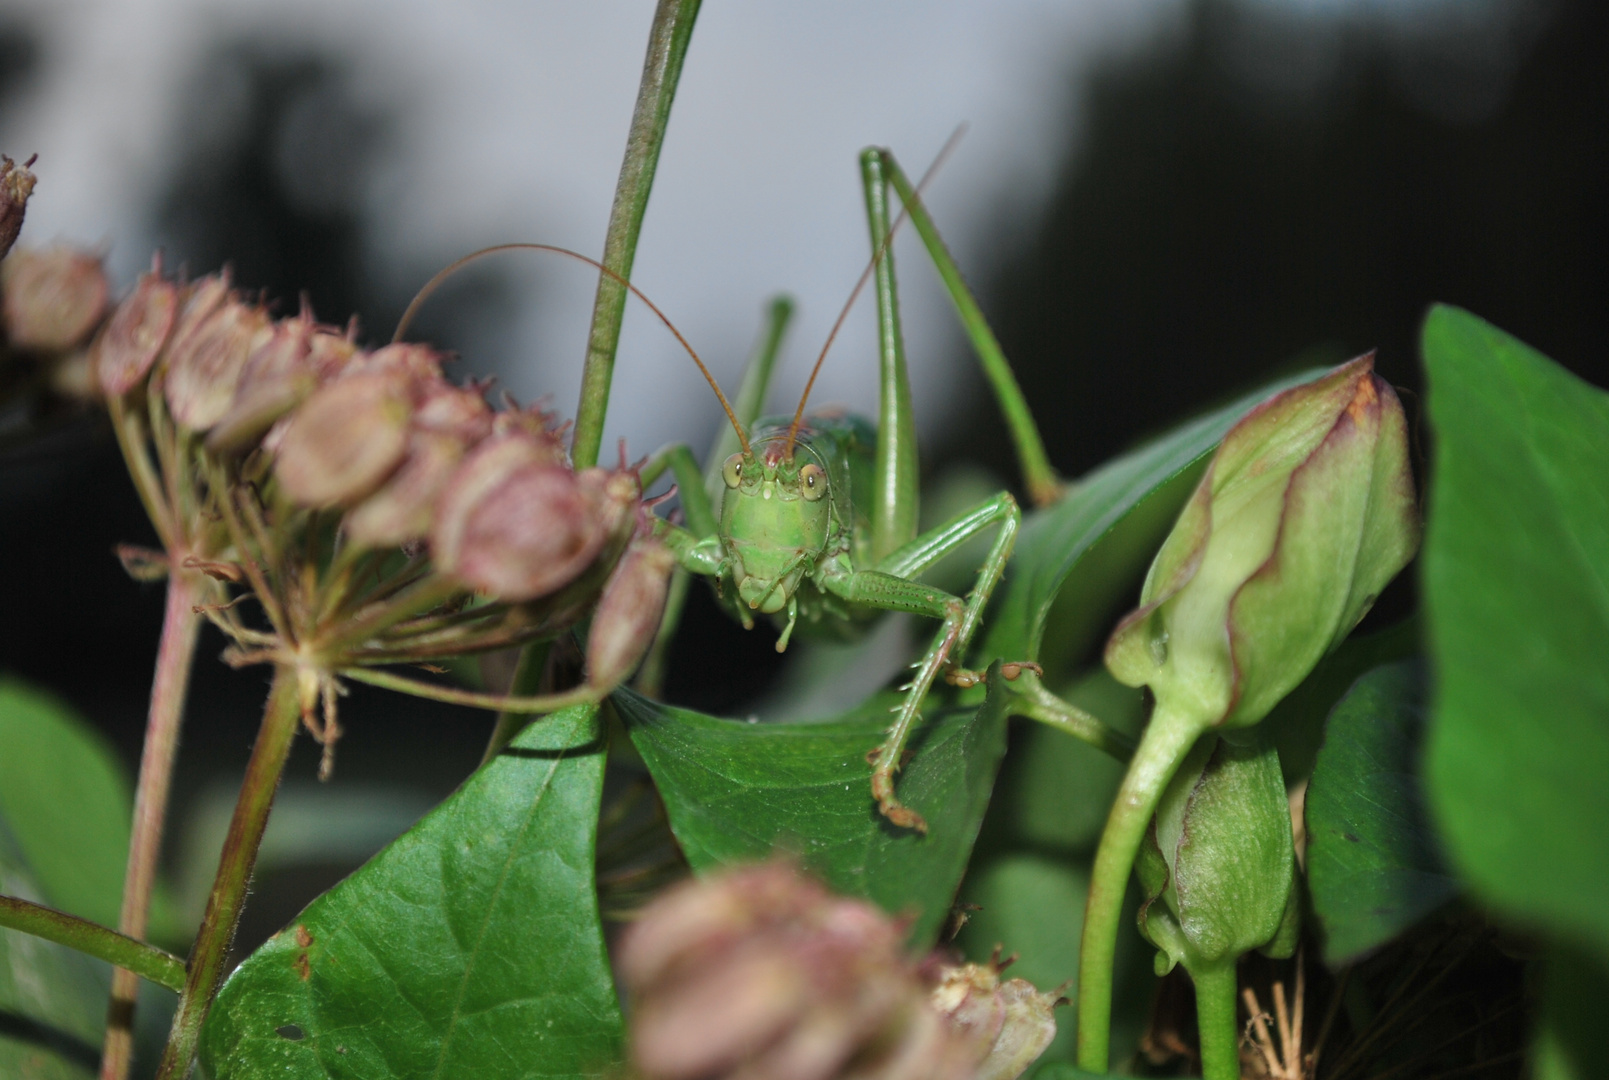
(275, 379)
(329, 354)
(627, 618)
(453, 410)
(205, 365)
(53, 298)
(1305, 513)
(418, 362)
(1008, 1023)
(760, 972)
(344, 441)
(136, 333)
(515, 523)
(405, 506)
(16, 184)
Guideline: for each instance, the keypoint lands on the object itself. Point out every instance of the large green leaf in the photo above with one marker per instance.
(1373, 866)
(471, 946)
(1517, 592)
(66, 801)
(737, 791)
(52, 999)
(1076, 562)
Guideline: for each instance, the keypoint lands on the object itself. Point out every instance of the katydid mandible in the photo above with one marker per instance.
(817, 525)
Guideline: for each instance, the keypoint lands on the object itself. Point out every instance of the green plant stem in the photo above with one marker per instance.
(1037, 703)
(1216, 1020)
(667, 47)
(101, 942)
(281, 717)
(1167, 739)
(175, 652)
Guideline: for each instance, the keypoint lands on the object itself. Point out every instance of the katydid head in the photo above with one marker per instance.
(776, 520)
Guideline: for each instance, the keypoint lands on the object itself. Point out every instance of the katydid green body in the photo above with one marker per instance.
(817, 528)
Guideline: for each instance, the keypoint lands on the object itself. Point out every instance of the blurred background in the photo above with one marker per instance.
(1160, 202)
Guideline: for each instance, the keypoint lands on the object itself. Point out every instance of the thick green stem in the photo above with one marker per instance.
(173, 662)
(101, 942)
(667, 47)
(1167, 739)
(281, 717)
(1216, 1020)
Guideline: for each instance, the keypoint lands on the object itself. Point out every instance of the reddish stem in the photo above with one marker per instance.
(173, 661)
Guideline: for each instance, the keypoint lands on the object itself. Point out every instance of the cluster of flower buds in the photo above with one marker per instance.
(378, 512)
(760, 971)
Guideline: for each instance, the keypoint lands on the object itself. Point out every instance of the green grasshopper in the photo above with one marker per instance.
(818, 516)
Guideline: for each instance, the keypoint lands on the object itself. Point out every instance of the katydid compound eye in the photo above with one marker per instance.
(732, 470)
(812, 482)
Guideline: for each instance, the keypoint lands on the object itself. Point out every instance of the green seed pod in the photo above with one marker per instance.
(1218, 866)
(1305, 513)
(53, 298)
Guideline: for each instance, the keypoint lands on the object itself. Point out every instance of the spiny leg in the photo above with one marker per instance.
(891, 587)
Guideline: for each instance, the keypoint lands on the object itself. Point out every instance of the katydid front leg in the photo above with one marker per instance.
(892, 587)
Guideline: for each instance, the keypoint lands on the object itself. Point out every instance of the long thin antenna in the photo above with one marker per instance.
(451, 269)
(865, 276)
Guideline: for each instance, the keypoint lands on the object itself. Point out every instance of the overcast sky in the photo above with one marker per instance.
(515, 116)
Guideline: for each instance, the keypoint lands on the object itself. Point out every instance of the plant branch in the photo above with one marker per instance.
(543, 703)
(667, 47)
(175, 652)
(1167, 739)
(281, 717)
(101, 942)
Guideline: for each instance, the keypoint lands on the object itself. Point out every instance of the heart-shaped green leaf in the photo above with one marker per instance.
(1517, 592)
(737, 791)
(1373, 864)
(471, 946)
(1077, 562)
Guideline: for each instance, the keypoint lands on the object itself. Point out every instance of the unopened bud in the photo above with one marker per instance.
(205, 363)
(53, 298)
(274, 380)
(136, 333)
(344, 441)
(453, 410)
(515, 523)
(405, 506)
(16, 184)
(627, 617)
(418, 362)
(760, 972)
(1305, 513)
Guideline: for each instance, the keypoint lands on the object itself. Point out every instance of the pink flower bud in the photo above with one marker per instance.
(454, 410)
(515, 523)
(275, 379)
(16, 184)
(136, 333)
(405, 506)
(53, 298)
(344, 441)
(627, 618)
(1008, 1023)
(207, 358)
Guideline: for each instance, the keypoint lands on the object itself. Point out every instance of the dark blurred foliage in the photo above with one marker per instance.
(1263, 186)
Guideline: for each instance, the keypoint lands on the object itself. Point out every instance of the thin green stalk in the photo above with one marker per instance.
(101, 942)
(1167, 739)
(1037, 703)
(521, 705)
(1216, 1020)
(667, 47)
(281, 717)
(175, 653)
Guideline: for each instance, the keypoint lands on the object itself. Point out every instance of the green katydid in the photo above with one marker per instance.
(818, 517)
